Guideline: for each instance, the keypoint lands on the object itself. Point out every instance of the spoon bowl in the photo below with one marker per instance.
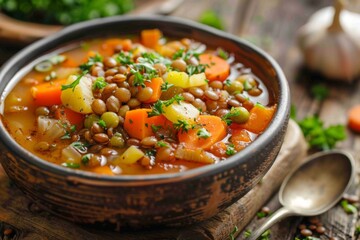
(314, 187)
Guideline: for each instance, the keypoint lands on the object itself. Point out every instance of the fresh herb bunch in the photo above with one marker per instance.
(64, 11)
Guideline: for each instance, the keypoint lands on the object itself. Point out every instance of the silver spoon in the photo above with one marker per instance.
(313, 188)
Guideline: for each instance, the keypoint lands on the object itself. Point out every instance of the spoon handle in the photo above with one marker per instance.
(274, 218)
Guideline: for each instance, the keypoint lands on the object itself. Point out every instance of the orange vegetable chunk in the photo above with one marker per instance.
(108, 48)
(217, 69)
(155, 85)
(260, 117)
(354, 118)
(47, 94)
(213, 124)
(74, 118)
(150, 38)
(240, 138)
(138, 125)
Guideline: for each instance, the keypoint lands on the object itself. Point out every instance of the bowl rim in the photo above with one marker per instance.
(281, 115)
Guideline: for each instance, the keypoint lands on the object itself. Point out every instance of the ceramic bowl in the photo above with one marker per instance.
(167, 199)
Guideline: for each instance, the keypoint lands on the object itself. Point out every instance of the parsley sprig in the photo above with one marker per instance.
(203, 133)
(91, 61)
(124, 58)
(195, 69)
(99, 83)
(157, 108)
(74, 83)
(186, 55)
(182, 125)
(234, 112)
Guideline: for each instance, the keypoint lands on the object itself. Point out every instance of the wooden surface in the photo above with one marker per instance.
(272, 25)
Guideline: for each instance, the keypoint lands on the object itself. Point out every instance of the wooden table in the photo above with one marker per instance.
(272, 25)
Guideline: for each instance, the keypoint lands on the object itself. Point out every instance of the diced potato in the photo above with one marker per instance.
(130, 156)
(80, 98)
(179, 79)
(197, 80)
(181, 111)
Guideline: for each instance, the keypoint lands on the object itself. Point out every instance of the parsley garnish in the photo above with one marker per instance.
(357, 230)
(162, 144)
(203, 133)
(81, 147)
(91, 61)
(86, 158)
(157, 109)
(153, 58)
(234, 112)
(320, 92)
(348, 208)
(320, 137)
(247, 233)
(102, 123)
(227, 82)
(165, 86)
(195, 69)
(67, 134)
(155, 128)
(265, 235)
(222, 53)
(182, 125)
(261, 214)
(150, 152)
(230, 150)
(178, 54)
(71, 165)
(74, 83)
(142, 71)
(186, 55)
(232, 234)
(124, 59)
(99, 83)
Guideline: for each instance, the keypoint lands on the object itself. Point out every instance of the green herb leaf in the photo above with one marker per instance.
(165, 86)
(261, 214)
(99, 83)
(212, 19)
(156, 110)
(320, 137)
(222, 53)
(91, 61)
(150, 152)
(74, 83)
(265, 235)
(162, 144)
(71, 165)
(182, 125)
(230, 150)
(232, 234)
(234, 112)
(86, 158)
(247, 233)
(178, 54)
(293, 112)
(203, 133)
(176, 98)
(124, 58)
(102, 123)
(320, 92)
(155, 128)
(81, 147)
(195, 69)
(348, 208)
(227, 82)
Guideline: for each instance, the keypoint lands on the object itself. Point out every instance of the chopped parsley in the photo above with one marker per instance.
(230, 150)
(162, 144)
(157, 108)
(319, 92)
(348, 207)
(150, 152)
(155, 128)
(227, 82)
(67, 134)
(186, 55)
(195, 69)
(176, 98)
(124, 59)
(74, 83)
(71, 165)
(319, 136)
(261, 214)
(165, 86)
(81, 147)
(86, 158)
(232, 234)
(234, 112)
(222, 53)
(142, 71)
(265, 235)
(203, 133)
(247, 233)
(182, 125)
(102, 123)
(91, 61)
(99, 83)
(153, 58)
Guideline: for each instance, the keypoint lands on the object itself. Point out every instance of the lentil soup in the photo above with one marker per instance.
(138, 105)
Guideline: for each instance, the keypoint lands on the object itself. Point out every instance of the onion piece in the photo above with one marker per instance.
(70, 154)
(194, 155)
(50, 129)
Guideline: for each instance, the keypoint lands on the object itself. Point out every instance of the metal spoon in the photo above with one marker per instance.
(313, 188)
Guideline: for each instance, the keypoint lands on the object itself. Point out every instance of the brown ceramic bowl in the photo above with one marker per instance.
(168, 199)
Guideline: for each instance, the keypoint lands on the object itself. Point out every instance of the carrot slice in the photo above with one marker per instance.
(74, 118)
(138, 125)
(240, 138)
(213, 124)
(354, 118)
(150, 38)
(108, 48)
(47, 94)
(155, 85)
(217, 69)
(259, 119)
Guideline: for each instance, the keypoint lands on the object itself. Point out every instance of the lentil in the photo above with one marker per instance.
(98, 106)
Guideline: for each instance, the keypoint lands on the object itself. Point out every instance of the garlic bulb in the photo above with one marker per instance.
(330, 42)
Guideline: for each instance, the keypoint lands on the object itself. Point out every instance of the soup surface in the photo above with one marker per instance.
(138, 105)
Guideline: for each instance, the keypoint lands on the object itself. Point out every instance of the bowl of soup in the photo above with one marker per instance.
(139, 121)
